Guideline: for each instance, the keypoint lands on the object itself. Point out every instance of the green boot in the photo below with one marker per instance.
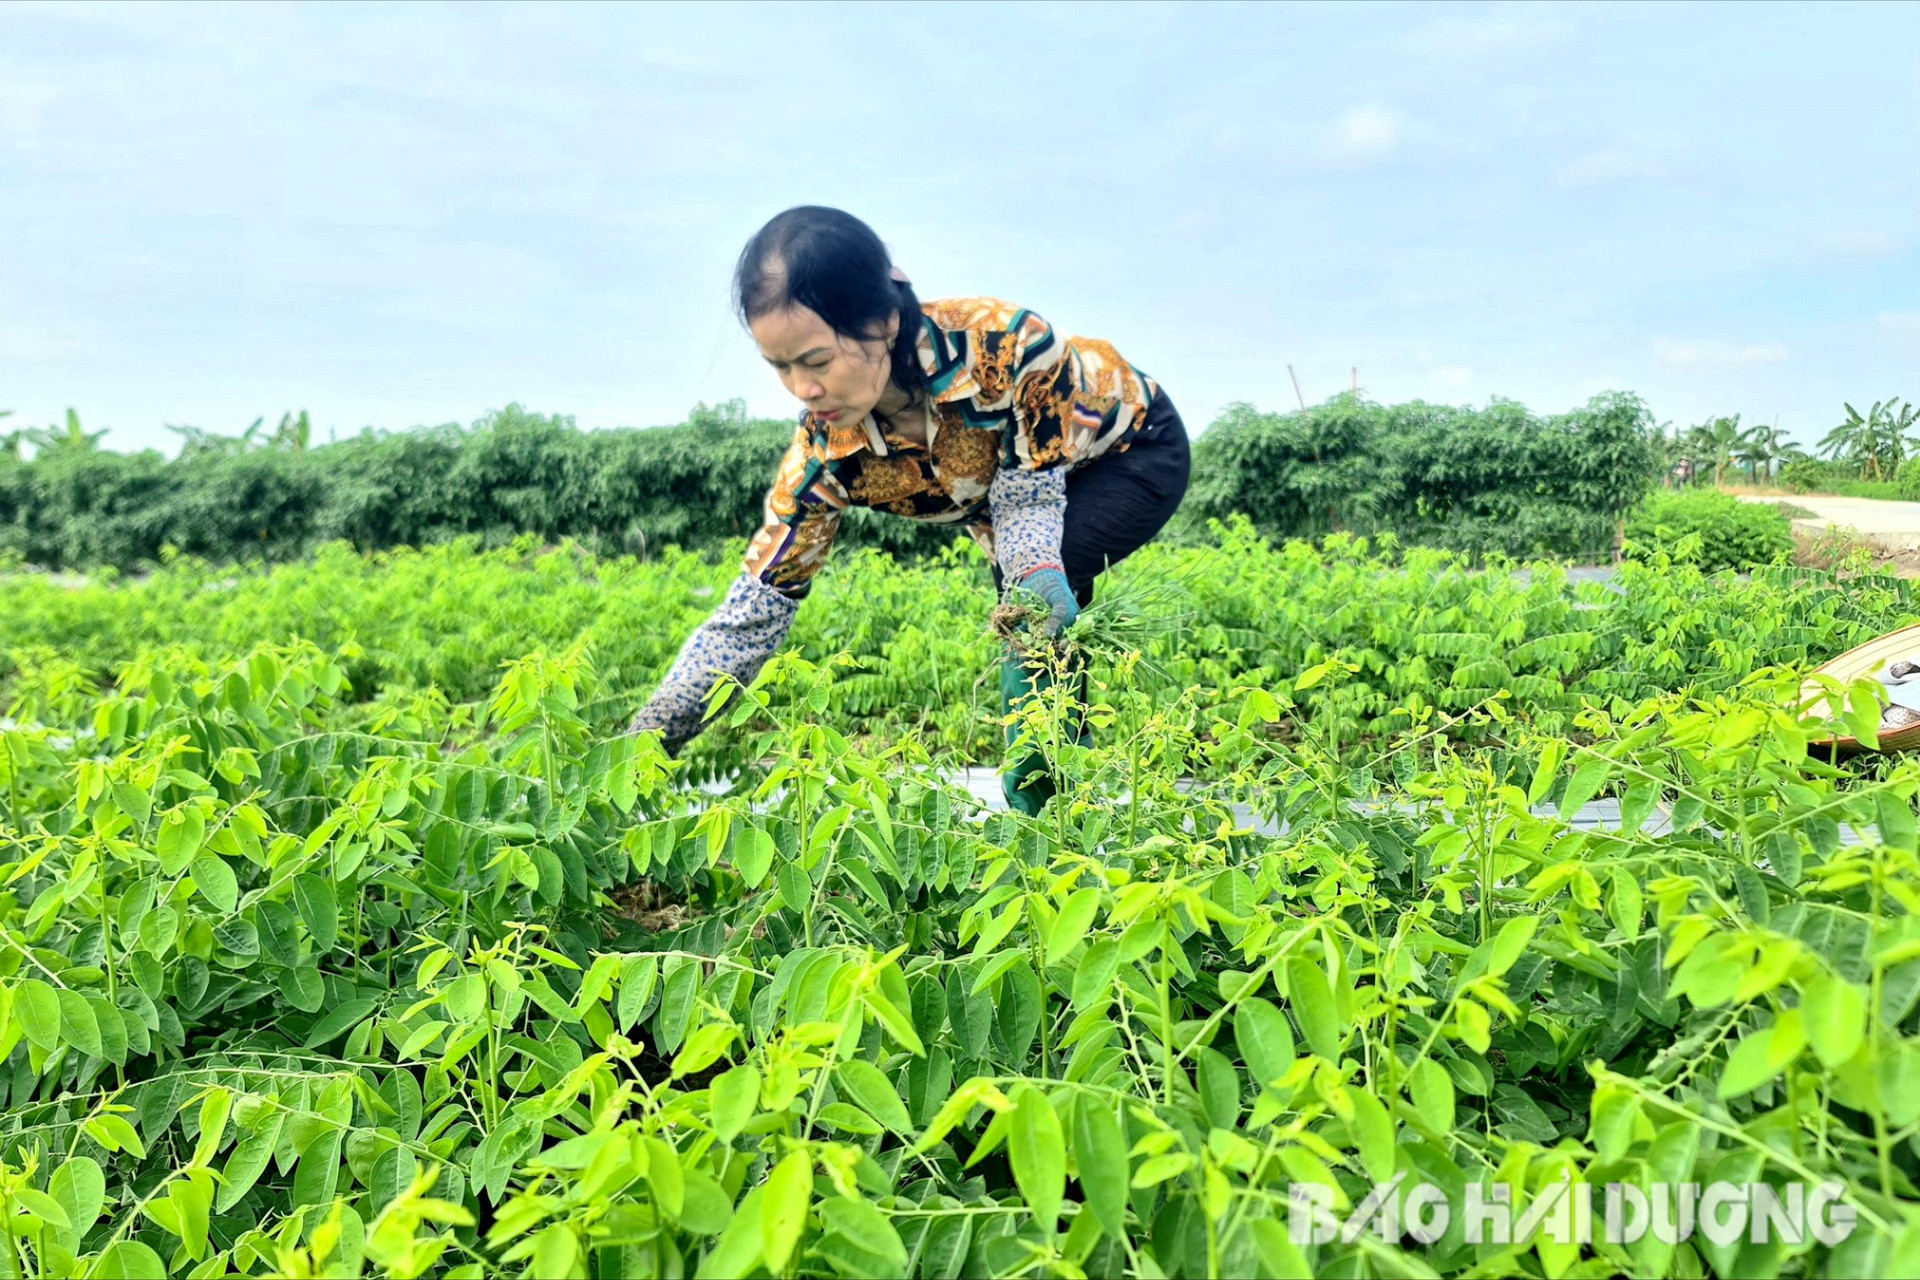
(1027, 783)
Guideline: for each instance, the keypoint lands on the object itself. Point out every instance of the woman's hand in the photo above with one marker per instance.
(1051, 585)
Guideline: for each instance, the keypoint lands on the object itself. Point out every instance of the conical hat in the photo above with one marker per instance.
(1868, 661)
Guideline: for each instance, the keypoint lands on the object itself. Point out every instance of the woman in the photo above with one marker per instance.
(1057, 455)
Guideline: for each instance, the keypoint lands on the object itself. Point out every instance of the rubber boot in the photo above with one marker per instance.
(1027, 783)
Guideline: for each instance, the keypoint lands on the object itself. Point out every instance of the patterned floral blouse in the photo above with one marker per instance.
(1007, 392)
(1013, 408)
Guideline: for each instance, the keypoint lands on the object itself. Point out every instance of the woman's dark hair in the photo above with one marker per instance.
(833, 264)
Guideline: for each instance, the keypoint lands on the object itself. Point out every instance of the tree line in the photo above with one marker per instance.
(1498, 479)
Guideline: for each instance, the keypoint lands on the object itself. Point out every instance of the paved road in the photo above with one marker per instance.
(1893, 525)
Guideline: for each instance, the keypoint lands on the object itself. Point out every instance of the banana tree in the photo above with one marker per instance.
(294, 432)
(1875, 441)
(1768, 446)
(74, 439)
(1720, 441)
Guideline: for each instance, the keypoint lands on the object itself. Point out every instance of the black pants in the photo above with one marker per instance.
(1117, 502)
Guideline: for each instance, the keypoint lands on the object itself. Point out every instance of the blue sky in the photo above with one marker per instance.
(394, 216)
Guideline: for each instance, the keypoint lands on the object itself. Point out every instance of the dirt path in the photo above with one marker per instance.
(1894, 525)
(1892, 528)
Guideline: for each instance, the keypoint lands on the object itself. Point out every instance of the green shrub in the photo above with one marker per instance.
(1878, 490)
(1493, 480)
(1815, 475)
(1907, 480)
(1710, 528)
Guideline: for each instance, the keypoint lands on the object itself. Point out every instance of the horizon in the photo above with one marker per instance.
(397, 216)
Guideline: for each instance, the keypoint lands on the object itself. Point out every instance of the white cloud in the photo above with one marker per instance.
(1904, 323)
(1452, 376)
(1857, 243)
(1713, 353)
(1364, 134)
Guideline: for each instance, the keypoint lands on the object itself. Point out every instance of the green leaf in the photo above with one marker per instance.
(318, 1173)
(867, 1228)
(637, 976)
(1100, 1150)
(158, 928)
(753, 855)
(133, 802)
(555, 1250)
(732, 1098)
(215, 881)
(1219, 1087)
(466, 997)
(314, 899)
(783, 1210)
(703, 1048)
(1071, 925)
(1546, 770)
(1311, 993)
(1511, 943)
(1835, 1016)
(112, 1024)
(81, 1188)
(337, 1020)
(1038, 1152)
(304, 989)
(796, 891)
(129, 1260)
(868, 1086)
(1282, 1256)
(78, 1025)
(1895, 820)
(38, 1009)
(214, 1111)
(193, 1203)
(1753, 894)
(249, 1160)
(180, 835)
(44, 1207)
(1265, 1040)
(1750, 1065)
(738, 1250)
(1583, 786)
(665, 1176)
(1093, 977)
(1372, 1129)
(1432, 1090)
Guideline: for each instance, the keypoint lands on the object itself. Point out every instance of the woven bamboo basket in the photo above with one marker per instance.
(1868, 660)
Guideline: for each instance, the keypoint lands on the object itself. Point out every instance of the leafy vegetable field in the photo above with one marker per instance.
(344, 935)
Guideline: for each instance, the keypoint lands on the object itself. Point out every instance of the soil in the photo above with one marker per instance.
(648, 904)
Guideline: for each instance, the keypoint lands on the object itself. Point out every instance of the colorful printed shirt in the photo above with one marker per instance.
(1007, 394)
(1013, 407)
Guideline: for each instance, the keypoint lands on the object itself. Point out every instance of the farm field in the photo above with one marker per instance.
(345, 934)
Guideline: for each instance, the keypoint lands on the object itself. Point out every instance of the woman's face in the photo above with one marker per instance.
(840, 380)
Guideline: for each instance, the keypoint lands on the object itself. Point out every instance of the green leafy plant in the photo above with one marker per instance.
(380, 951)
(1713, 529)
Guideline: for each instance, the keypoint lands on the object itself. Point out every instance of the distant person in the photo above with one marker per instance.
(1683, 473)
(1056, 454)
